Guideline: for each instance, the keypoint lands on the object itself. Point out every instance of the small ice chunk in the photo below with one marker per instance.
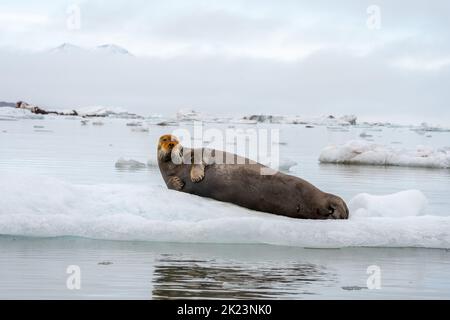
(367, 153)
(167, 123)
(286, 164)
(140, 129)
(129, 164)
(188, 115)
(365, 135)
(350, 119)
(102, 111)
(134, 124)
(401, 204)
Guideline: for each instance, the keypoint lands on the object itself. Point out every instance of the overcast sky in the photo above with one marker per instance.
(388, 61)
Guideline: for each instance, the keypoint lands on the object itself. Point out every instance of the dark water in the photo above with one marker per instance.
(35, 268)
(183, 278)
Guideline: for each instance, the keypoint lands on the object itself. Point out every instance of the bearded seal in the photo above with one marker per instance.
(241, 182)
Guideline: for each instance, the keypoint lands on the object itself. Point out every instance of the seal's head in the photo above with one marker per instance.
(168, 146)
(333, 207)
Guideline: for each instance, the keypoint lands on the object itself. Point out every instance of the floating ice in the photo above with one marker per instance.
(45, 207)
(101, 111)
(244, 121)
(167, 123)
(320, 121)
(264, 118)
(350, 119)
(284, 164)
(9, 113)
(401, 204)
(153, 162)
(363, 152)
(129, 164)
(424, 127)
(134, 124)
(140, 129)
(188, 115)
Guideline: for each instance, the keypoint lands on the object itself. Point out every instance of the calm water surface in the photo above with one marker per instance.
(36, 268)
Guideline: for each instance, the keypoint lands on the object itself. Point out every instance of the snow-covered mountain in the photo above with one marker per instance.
(67, 48)
(108, 49)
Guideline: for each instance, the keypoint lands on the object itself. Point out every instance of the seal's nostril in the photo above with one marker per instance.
(171, 145)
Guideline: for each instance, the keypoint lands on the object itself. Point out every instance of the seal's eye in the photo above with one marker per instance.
(331, 210)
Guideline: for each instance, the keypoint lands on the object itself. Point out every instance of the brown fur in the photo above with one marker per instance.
(243, 184)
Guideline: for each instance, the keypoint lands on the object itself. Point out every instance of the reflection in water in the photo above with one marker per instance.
(185, 278)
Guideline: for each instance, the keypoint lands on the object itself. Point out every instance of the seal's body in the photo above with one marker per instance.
(242, 182)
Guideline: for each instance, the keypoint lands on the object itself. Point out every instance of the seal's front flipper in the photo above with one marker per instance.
(175, 183)
(197, 172)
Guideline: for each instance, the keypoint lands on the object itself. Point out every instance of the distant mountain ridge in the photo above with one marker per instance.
(108, 48)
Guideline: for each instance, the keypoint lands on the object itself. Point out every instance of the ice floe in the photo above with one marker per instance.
(42, 206)
(9, 113)
(284, 164)
(140, 129)
(319, 121)
(130, 164)
(402, 204)
(425, 127)
(188, 115)
(134, 124)
(367, 153)
(29, 111)
(101, 111)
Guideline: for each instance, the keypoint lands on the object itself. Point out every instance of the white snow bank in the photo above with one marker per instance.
(319, 121)
(101, 111)
(44, 207)
(134, 124)
(188, 115)
(401, 204)
(363, 152)
(284, 164)
(9, 113)
(425, 127)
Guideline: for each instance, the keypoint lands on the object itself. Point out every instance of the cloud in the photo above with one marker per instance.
(433, 64)
(323, 83)
(292, 56)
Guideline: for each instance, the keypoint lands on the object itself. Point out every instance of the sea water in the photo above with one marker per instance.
(59, 181)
